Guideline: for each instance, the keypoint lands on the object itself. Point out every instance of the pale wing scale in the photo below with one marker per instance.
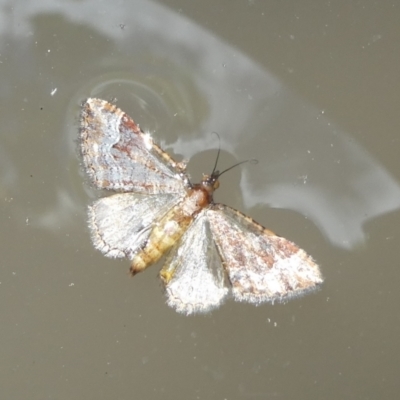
(121, 223)
(262, 267)
(198, 282)
(119, 156)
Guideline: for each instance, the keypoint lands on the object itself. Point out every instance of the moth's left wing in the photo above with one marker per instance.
(121, 224)
(195, 281)
(262, 267)
(119, 156)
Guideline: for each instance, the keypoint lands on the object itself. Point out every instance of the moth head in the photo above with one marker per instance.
(211, 181)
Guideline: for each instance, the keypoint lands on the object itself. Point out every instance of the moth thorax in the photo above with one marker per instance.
(200, 197)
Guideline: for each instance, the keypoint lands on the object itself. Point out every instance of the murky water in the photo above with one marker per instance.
(309, 90)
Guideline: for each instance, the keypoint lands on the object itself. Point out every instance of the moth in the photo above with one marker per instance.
(212, 250)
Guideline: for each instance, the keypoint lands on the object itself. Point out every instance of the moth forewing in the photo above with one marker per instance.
(262, 267)
(118, 155)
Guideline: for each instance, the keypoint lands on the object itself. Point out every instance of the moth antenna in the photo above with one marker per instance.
(251, 161)
(219, 151)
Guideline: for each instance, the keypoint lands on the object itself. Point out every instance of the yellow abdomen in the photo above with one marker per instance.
(169, 229)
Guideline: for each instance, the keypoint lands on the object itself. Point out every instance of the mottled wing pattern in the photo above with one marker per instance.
(194, 278)
(119, 156)
(121, 223)
(262, 267)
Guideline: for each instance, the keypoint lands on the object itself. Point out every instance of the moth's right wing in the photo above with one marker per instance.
(120, 224)
(194, 278)
(262, 267)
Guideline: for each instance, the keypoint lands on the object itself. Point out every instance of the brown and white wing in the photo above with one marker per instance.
(121, 223)
(119, 156)
(194, 278)
(262, 267)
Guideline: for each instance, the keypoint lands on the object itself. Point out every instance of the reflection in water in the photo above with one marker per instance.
(184, 82)
(340, 188)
